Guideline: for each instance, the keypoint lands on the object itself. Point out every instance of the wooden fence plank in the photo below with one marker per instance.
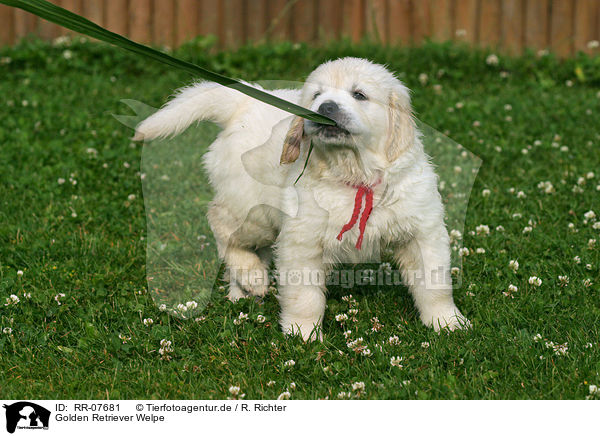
(6, 25)
(329, 19)
(490, 17)
(400, 22)
(209, 18)
(565, 26)
(186, 21)
(256, 20)
(140, 20)
(513, 26)
(233, 31)
(24, 23)
(304, 20)
(353, 19)
(375, 18)
(536, 24)
(465, 20)
(561, 27)
(441, 20)
(163, 22)
(116, 18)
(278, 22)
(421, 19)
(586, 18)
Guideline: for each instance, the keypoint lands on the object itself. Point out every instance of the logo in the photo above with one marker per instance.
(26, 415)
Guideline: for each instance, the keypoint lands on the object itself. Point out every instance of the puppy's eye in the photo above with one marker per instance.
(316, 95)
(359, 95)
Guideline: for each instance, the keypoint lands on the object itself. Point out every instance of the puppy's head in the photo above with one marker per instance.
(369, 104)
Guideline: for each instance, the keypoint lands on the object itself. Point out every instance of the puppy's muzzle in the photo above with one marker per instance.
(329, 109)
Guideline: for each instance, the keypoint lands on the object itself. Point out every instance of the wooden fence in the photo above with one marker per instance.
(563, 26)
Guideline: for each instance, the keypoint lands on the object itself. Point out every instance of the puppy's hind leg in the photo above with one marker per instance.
(245, 271)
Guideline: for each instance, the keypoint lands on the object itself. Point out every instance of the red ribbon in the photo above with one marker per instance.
(361, 190)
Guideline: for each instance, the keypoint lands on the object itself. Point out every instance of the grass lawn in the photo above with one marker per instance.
(73, 236)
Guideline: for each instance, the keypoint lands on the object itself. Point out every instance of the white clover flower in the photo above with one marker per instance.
(486, 193)
(512, 288)
(425, 344)
(395, 361)
(596, 225)
(455, 234)
(124, 338)
(463, 252)
(20, 273)
(589, 215)
(535, 281)
(546, 186)
(131, 197)
(271, 383)
(492, 59)
(292, 385)
(191, 305)
(289, 363)
(527, 229)
(593, 389)
(358, 386)
(482, 229)
(341, 317)
(148, 322)
(590, 175)
(57, 298)
(284, 396)
(577, 259)
(162, 307)
(234, 390)
(7, 330)
(514, 265)
(537, 337)
(423, 79)
(587, 283)
(394, 340)
(261, 318)
(521, 194)
(182, 307)
(563, 280)
(591, 244)
(343, 395)
(500, 228)
(454, 270)
(476, 123)
(480, 250)
(61, 181)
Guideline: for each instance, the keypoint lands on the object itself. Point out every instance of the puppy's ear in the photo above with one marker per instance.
(401, 128)
(293, 140)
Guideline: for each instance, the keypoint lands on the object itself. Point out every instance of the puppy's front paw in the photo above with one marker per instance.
(448, 319)
(309, 330)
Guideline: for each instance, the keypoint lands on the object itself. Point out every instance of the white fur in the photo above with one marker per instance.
(257, 206)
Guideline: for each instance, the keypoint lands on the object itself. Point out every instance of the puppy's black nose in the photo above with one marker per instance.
(328, 108)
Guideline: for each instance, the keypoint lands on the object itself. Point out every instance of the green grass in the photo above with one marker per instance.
(88, 240)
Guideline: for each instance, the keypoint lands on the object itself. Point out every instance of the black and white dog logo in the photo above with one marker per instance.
(26, 415)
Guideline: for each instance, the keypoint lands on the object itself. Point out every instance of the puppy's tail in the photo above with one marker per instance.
(201, 101)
